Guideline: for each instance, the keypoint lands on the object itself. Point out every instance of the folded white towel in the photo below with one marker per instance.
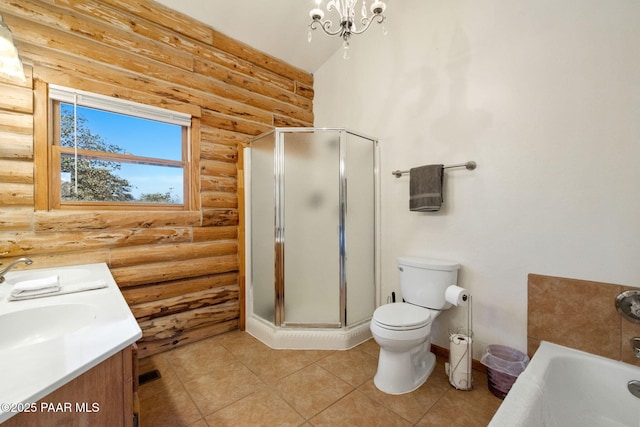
(36, 293)
(85, 286)
(58, 290)
(36, 284)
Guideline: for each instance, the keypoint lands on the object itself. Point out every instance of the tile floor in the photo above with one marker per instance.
(235, 380)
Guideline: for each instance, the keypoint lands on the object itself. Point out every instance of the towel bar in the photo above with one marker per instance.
(469, 165)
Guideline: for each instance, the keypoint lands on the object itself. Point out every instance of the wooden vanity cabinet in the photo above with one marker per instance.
(102, 396)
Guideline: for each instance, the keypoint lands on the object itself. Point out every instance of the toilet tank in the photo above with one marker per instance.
(423, 281)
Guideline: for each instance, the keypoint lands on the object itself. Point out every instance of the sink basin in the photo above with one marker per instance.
(37, 324)
(66, 275)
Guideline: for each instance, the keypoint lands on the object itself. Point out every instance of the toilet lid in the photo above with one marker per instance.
(401, 315)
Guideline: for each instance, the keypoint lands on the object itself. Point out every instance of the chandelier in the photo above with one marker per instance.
(348, 24)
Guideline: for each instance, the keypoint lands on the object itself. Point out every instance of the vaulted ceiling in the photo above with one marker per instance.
(276, 27)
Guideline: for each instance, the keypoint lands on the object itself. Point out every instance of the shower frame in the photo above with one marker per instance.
(279, 319)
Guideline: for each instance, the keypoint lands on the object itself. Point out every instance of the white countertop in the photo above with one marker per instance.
(94, 325)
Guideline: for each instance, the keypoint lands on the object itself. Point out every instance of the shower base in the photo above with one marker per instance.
(307, 338)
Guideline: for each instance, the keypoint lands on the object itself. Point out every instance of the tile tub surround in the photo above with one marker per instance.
(233, 379)
(579, 314)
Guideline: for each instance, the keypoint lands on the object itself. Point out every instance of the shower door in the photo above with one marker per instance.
(311, 228)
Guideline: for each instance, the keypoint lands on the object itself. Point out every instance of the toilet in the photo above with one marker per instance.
(403, 329)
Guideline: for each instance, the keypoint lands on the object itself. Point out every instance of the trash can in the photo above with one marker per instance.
(504, 364)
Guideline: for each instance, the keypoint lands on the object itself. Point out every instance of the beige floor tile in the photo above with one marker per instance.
(241, 343)
(272, 365)
(168, 408)
(312, 389)
(223, 386)
(200, 358)
(356, 409)
(353, 366)
(234, 379)
(412, 406)
(459, 408)
(168, 379)
(264, 408)
(370, 347)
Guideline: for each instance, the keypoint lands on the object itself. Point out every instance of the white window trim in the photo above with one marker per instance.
(116, 105)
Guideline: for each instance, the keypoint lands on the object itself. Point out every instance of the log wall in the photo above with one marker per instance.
(178, 270)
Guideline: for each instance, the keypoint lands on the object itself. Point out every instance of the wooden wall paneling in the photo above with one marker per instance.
(182, 24)
(172, 270)
(149, 346)
(16, 99)
(217, 168)
(58, 259)
(213, 199)
(113, 219)
(135, 255)
(16, 171)
(213, 151)
(184, 302)
(146, 293)
(13, 194)
(241, 236)
(202, 234)
(304, 90)
(218, 183)
(224, 137)
(180, 271)
(175, 324)
(122, 38)
(28, 243)
(15, 146)
(15, 218)
(219, 217)
(56, 64)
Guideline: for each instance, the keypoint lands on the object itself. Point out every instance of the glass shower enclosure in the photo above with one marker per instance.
(313, 227)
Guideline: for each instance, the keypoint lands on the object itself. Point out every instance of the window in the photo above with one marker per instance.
(109, 152)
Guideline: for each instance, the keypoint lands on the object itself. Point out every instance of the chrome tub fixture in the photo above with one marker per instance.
(628, 305)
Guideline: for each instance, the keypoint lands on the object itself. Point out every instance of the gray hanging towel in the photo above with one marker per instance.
(425, 188)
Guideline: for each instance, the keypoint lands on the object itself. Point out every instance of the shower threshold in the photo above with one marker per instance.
(300, 338)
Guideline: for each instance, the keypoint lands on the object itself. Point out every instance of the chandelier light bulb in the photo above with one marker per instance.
(316, 14)
(378, 8)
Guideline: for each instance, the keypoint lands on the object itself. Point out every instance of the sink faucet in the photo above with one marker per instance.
(635, 344)
(10, 266)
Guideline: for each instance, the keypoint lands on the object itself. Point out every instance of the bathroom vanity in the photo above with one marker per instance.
(102, 396)
(67, 359)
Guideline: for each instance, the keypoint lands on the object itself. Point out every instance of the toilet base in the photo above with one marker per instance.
(404, 372)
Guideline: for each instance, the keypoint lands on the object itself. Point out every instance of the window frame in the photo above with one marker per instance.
(54, 95)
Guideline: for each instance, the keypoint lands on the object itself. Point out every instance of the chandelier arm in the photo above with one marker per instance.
(326, 26)
(367, 23)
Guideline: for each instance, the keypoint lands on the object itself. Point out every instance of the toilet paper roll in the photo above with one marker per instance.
(459, 361)
(456, 295)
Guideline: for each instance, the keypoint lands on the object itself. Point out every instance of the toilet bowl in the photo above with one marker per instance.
(403, 331)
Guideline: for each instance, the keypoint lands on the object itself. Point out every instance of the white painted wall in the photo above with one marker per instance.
(545, 96)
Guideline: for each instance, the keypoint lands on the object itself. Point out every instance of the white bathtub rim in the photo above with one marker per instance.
(524, 404)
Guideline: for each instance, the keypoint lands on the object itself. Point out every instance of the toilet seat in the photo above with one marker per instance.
(401, 316)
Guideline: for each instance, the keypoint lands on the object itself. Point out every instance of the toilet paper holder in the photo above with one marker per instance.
(459, 368)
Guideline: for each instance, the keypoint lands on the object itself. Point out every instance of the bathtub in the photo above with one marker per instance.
(563, 387)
